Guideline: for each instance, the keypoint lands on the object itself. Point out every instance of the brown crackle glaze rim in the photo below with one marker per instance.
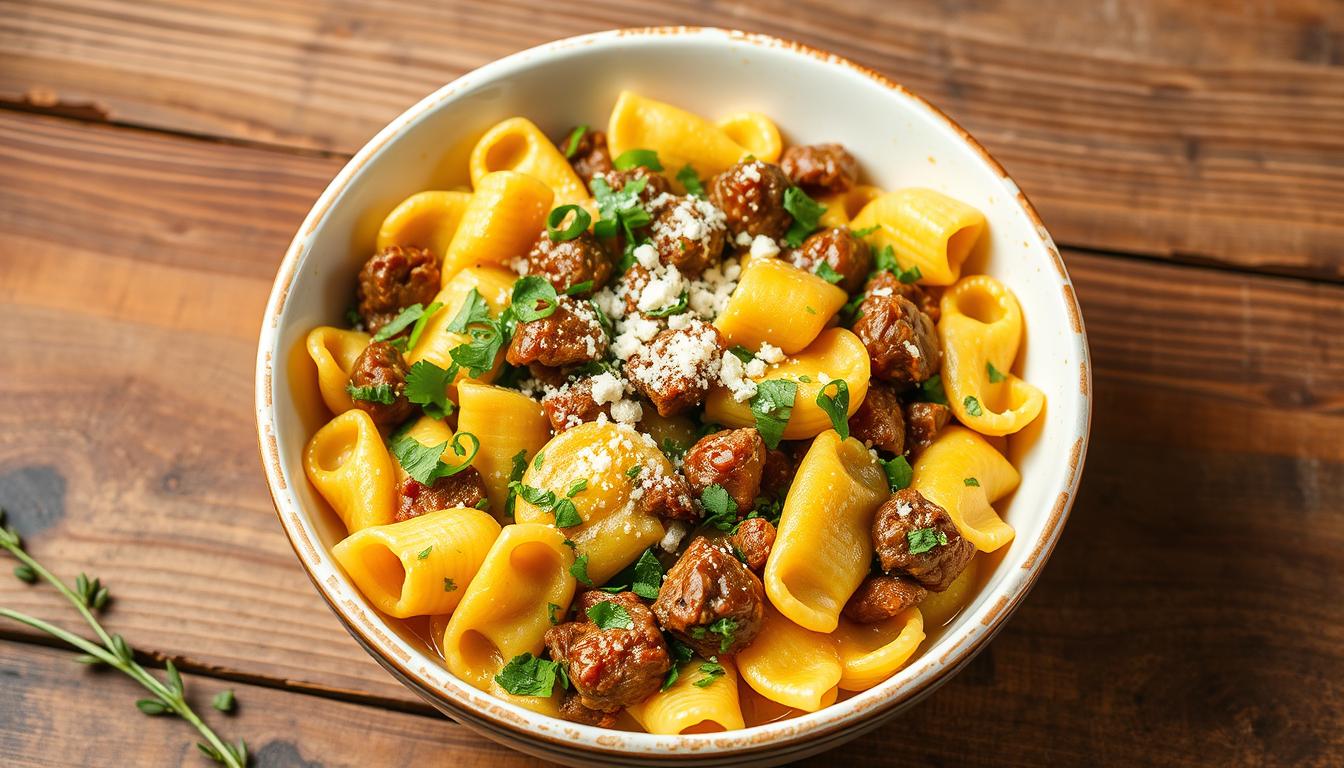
(546, 736)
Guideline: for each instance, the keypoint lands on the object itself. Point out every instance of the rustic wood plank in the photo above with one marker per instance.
(1198, 132)
(57, 713)
(1190, 610)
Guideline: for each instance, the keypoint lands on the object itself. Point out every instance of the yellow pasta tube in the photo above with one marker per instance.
(516, 144)
(980, 330)
(678, 136)
(506, 422)
(940, 475)
(842, 207)
(756, 133)
(925, 229)
(940, 607)
(334, 351)
(347, 463)
(835, 354)
(504, 612)
(420, 566)
(437, 342)
(778, 303)
(824, 545)
(791, 665)
(424, 220)
(758, 710)
(608, 463)
(503, 219)
(870, 653)
(686, 707)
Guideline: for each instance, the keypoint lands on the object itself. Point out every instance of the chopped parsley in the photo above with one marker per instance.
(534, 298)
(487, 335)
(425, 464)
(551, 610)
(866, 231)
(517, 468)
(412, 315)
(674, 309)
(680, 653)
(899, 473)
(806, 214)
(741, 353)
(427, 387)
(610, 615)
(885, 261)
(633, 158)
(826, 272)
(579, 570)
(483, 504)
(720, 509)
(448, 585)
(972, 406)
(572, 143)
(712, 670)
(772, 405)
(849, 313)
(539, 460)
(995, 375)
(648, 576)
(576, 227)
(528, 675)
(837, 406)
(971, 482)
(578, 288)
(620, 212)
(373, 393)
(925, 539)
(422, 554)
(725, 628)
(566, 515)
(633, 472)
(690, 181)
(932, 390)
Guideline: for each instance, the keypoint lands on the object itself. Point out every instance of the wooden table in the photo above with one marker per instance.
(156, 156)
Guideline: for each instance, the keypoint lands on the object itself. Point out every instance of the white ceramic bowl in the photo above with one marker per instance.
(899, 140)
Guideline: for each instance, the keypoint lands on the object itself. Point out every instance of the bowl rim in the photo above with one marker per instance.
(494, 716)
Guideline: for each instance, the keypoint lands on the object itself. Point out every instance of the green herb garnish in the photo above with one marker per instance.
(424, 463)
(972, 405)
(837, 406)
(572, 143)
(632, 158)
(720, 509)
(372, 393)
(528, 675)
(772, 405)
(427, 387)
(806, 214)
(899, 473)
(925, 539)
(691, 181)
(610, 615)
(995, 375)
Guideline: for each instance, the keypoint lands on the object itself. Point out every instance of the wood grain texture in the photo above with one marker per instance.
(56, 713)
(1189, 617)
(1204, 132)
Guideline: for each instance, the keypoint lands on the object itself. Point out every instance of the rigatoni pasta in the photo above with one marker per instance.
(673, 426)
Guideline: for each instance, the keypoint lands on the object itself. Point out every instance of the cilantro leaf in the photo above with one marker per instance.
(576, 487)
(836, 407)
(421, 322)
(866, 231)
(720, 509)
(971, 482)
(826, 272)
(424, 463)
(566, 515)
(806, 215)
(899, 473)
(995, 375)
(741, 353)
(422, 554)
(579, 570)
(885, 261)
(932, 390)
(575, 136)
(725, 628)
(680, 653)
(401, 322)
(972, 405)
(674, 309)
(517, 468)
(534, 298)
(772, 405)
(578, 288)
(528, 675)
(925, 539)
(691, 181)
(610, 615)
(373, 393)
(712, 670)
(551, 610)
(633, 472)
(648, 576)
(427, 386)
(448, 585)
(849, 313)
(474, 310)
(632, 158)
(478, 355)
(539, 460)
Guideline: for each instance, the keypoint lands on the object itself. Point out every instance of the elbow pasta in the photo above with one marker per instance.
(582, 472)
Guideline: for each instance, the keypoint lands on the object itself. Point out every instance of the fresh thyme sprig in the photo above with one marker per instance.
(89, 596)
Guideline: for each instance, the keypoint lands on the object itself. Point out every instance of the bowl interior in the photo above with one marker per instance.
(899, 142)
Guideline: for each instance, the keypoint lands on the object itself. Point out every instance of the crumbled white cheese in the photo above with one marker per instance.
(749, 171)
(676, 531)
(756, 368)
(770, 353)
(764, 247)
(691, 355)
(607, 388)
(708, 295)
(663, 291)
(882, 291)
(743, 239)
(911, 349)
(903, 509)
(627, 411)
(646, 255)
(734, 376)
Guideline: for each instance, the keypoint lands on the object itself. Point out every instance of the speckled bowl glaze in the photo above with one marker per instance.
(899, 139)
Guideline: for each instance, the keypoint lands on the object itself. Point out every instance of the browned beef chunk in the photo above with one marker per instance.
(820, 168)
(464, 489)
(733, 459)
(922, 422)
(589, 155)
(378, 384)
(614, 667)
(884, 283)
(572, 404)
(570, 335)
(573, 710)
(916, 538)
(394, 279)
(654, 188)
(879, 421)
(711, 600)
(845, 255)
(667, 496)
(899, 338)
(677, 368)
(880, 597)
(753, 538)
(751, 196)
(777, 474)
(689, 235)
(567, 263)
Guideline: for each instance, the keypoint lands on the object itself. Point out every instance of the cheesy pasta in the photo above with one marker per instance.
(671, 425)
